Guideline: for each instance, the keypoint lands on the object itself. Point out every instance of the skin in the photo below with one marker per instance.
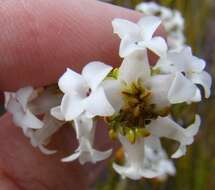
(38, 40)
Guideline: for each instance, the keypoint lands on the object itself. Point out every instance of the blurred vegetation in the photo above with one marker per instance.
(196, 170)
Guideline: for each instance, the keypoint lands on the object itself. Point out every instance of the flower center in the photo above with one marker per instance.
(137, 112)
(88, 92)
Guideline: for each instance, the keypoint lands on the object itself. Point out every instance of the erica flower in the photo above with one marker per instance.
(139, 36)
(25, 105)
(145, 112)
(85, 132)
(145, 158)
(191, 66)
(84, 93)
(84, 98)
(172, 21)
(17, 105)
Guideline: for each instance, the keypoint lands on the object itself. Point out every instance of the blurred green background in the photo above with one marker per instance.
(196, 170)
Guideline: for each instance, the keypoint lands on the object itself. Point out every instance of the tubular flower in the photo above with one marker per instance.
(192, 67)
(172, 21)
(25, 105)
(85, 132)
(84, 93)
(139, 36)
(144, 159)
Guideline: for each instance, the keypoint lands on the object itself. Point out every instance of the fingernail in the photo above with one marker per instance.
(1, 98)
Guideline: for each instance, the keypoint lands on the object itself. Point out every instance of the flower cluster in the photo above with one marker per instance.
(173, 22)
(135, 101)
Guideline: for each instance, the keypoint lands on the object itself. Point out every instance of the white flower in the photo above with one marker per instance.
(165, 89)
(149, 8)
(17, 105)
(166, 127)
(144, 160)
(157, 158)
(85, 132)
(146, 157)
(25, 105)
(83, 93)
(172, 21)
(191, 66)
(41, 137)
(139, 36)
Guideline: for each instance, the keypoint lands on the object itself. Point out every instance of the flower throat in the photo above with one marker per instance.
(137, 112)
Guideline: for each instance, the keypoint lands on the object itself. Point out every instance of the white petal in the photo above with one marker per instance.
(135, 166)
(129, 45)
(157, 45)
(159, 86)
(204, 79)
(85, 153)
(193, 129)
(45, 101)
(165, 127)
(181, 151)
(30, 120)
(95, 72)
(101, 155)
(72, 82)
(72, 157)
(197, 97)
(181, 90)
(197, 65)
(134, 67)
(46, 151)
(7, 97)
(56, 112)
(71, 106)
(83, 126)
(112, 90)
(51, 126)
(149, 24)
(23, 96)
(124, 28)
(97, 104)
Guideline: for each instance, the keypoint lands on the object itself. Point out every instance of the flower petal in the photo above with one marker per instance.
(124, 28)
(23, 96)
(45, 101)
(85, 153)
(159, 86)
(165, 127)
(157, 45)
(136, 165)
(71, 158)
(95, 72)
(112, 90)
(71, 106)
(204, 79)
(29, 120)
(148, 25)
(51, 126)
(129, 45)
(83, 126)
(135, 67)
(197, 65)
(181, 151)
(181, 90)
(56, 113)
(97, 104)
(72, 82)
